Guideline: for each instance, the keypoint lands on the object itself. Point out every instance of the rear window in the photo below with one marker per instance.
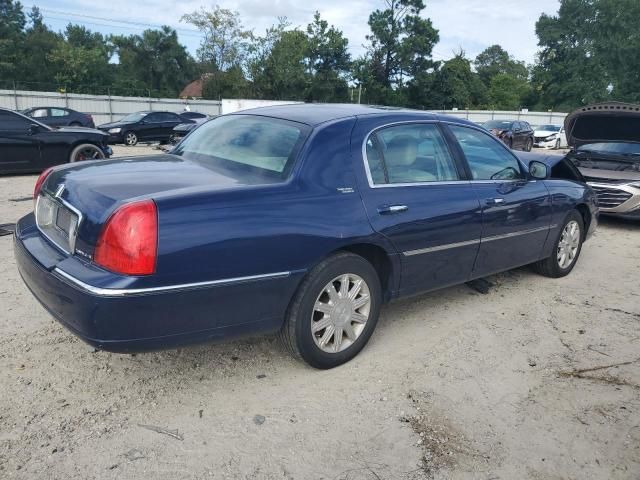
(261, 144)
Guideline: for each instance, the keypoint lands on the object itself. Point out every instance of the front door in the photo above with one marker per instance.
(516, 211)
(19, 147)
(417, 196)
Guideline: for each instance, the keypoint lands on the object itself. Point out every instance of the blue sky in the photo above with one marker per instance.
(471, 25)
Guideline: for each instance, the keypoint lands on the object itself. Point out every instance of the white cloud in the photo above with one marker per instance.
(471, 25)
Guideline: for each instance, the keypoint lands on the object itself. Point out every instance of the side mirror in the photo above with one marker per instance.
(538, 170)
(33, 129)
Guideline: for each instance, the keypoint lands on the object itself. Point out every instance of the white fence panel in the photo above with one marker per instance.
(103, 108)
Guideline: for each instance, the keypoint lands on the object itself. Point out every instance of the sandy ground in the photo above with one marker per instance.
(515, 384)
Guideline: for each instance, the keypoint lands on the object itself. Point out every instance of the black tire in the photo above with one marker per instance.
(75, 124)
(550, 267)
(529, 145)
(557, 145)
(130, 139)
(510, 144)
(93, 152)
(296, 332)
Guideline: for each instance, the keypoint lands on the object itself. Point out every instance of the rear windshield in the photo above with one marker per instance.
(264, 145)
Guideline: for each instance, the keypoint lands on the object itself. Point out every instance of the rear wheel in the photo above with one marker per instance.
(130, 139)
(566, 250)
(86, 151)
(75, 124)
(334, 311)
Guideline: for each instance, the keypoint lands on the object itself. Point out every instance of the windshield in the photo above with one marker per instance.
(549, 128)
(264, 145)
(620, 148)
(134, 117)
(500, 124)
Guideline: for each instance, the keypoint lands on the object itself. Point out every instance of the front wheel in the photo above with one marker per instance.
(567, 248)
(334, 311)
(130, 139)
(86, 151)
(557, 146)
(529, 145)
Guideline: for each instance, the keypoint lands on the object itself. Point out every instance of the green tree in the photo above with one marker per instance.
(495, 60)
(454, 85)
(39, 41)
(328, 62)
(507, 92)
(154, 60)
(226, 42)
(12, 24)
(81, 60)
(401, 44)
(587, 46)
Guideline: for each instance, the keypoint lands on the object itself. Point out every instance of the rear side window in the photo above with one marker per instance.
(39, 113)
(488, 159)
(412, 153)
(262, 145)
(58, 112)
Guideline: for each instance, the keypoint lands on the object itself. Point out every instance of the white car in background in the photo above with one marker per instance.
(549, 136)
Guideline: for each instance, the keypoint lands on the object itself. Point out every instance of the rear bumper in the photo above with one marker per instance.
(132, 321)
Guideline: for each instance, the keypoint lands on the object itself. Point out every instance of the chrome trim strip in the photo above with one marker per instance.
(475, 241)
(441, 247)
(123, 292)
(518, 233)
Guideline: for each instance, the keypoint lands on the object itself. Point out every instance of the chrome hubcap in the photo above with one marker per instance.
(568, 245)
(340, 313)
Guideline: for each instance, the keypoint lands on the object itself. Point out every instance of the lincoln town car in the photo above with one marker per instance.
(300, 220)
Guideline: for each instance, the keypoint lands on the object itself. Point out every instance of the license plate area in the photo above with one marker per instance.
(58, 222)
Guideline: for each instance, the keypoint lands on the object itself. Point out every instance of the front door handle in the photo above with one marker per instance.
(389, 209)
(494, 201)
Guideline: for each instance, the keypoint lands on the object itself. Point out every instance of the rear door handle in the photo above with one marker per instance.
(389, 209)
(494, 201)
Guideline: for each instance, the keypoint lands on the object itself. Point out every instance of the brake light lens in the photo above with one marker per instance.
(128, 243)
(43, 176)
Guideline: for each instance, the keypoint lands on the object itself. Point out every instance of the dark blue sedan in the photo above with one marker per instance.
(300, 219)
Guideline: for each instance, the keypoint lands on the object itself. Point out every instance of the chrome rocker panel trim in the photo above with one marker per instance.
(123, 292)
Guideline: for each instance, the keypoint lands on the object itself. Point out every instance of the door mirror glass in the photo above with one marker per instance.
(538, 170)
(33, 129)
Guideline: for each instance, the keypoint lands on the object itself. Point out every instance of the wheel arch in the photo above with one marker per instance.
(381, 261)
(585, 213)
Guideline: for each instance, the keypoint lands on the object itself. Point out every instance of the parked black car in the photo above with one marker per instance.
(143, 127)
(516, 134)
(605, 142)
(60, 117)
(29, 146)
(196, 116)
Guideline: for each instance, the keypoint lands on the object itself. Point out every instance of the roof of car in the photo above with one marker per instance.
(316, 113)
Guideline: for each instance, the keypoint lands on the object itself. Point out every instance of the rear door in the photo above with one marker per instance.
(516, 211)
(416, 194)
(19, 148)
(149, 127)
(58, 117)
(169, 121)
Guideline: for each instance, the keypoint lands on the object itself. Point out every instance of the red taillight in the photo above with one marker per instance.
(43, 176)
(128, 243)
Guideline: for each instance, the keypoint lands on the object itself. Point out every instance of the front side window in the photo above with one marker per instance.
(14, 123)
(488, 159)
(411, 153)
(261, 145)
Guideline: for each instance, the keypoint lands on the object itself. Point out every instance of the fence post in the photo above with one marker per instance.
(15, 95)
(66, 97)
(149, 96)
(110, 107)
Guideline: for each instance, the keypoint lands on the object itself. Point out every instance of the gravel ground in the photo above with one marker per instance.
(537, 379)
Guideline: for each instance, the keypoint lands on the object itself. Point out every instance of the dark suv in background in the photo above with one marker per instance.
(143, 127)
(60, 117)
(516, 134)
